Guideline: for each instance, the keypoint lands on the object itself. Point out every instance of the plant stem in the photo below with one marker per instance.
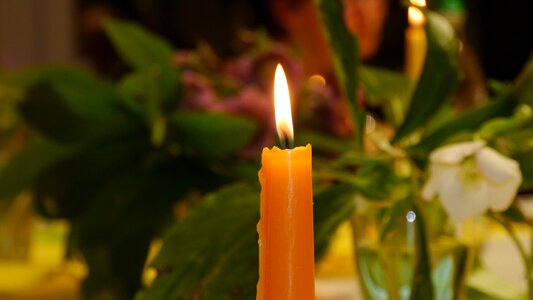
(507, 226)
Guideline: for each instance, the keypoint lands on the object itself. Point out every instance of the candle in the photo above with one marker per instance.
(286, 247)
(415, 40)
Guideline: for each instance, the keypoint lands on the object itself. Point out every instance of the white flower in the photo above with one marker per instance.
(471, 178)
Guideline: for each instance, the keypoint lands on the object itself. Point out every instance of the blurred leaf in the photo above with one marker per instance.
(504, 126)
(524, 84)
(324, 142)
(332, 207)
(525, 159)
(470, 121)
(116, 229)
(197, 250)
(394, 99)
(136, 45)
(25, 166)
(142, 92)
(213, 135)
(345, 61)
(438, 79)
(71, 106)
(143, 50)
(64, 189)
(375, 179)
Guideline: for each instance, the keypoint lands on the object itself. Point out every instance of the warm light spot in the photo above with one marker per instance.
(317, 80)
(416, 16)
(282, 105)
(370, 124)
(419, 3)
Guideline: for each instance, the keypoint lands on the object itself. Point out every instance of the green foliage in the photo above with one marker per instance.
(105, 162)
(148, 53)
(438, 79)
(24, 167)
(212, 135)
(394, 100)
(345, 62)
(114, 158)
(198, 250)
(468, 122)
(213, 254)
(72, 106)
(138, 47)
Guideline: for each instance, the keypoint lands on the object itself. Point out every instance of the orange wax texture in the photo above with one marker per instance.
(286, 246)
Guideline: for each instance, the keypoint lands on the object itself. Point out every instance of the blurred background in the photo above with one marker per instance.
(67, 31)
(496, 41)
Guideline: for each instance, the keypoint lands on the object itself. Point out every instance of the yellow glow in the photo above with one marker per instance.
(419, 3)
(416, 16)
(282, 105)
(318, 80)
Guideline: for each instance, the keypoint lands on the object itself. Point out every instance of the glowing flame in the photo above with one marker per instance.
(416, 16)
(282, 105)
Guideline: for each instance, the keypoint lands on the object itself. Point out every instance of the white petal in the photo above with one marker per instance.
(503, 194)
(429, 190)
(465, 201)
(435, 179)
(497, 167)
(455, 153)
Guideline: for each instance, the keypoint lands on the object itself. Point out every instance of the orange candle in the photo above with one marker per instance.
(286, 246)
(415, 40)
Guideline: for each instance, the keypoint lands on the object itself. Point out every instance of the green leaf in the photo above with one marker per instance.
(497, 127)
(525, 160)
(438, 79)
(332, 207)
(324, 142)
(393, 99)
(147, 52)
(213, 135)
(25, 166)
(137, 46)
(71, 106)
(143, 93)
(345, 62)
(468, 122)
(198, 250)
(64, 188)
(130, 208)
(524, 84)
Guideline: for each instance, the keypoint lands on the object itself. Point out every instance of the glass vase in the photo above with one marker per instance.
(385, 238)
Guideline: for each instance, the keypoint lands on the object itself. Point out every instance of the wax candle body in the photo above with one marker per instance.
(286, 246)
(415, 50)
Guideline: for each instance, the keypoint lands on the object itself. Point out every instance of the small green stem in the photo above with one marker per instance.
(507, 226)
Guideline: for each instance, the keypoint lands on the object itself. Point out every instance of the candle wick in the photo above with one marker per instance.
(286, 142)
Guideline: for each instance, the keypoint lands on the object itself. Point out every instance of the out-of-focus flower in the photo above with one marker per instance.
(470, 178)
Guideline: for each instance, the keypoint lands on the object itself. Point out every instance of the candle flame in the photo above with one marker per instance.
(416, 16)
(282, 105)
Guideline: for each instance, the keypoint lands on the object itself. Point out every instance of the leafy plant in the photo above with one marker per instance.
(114, 158)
